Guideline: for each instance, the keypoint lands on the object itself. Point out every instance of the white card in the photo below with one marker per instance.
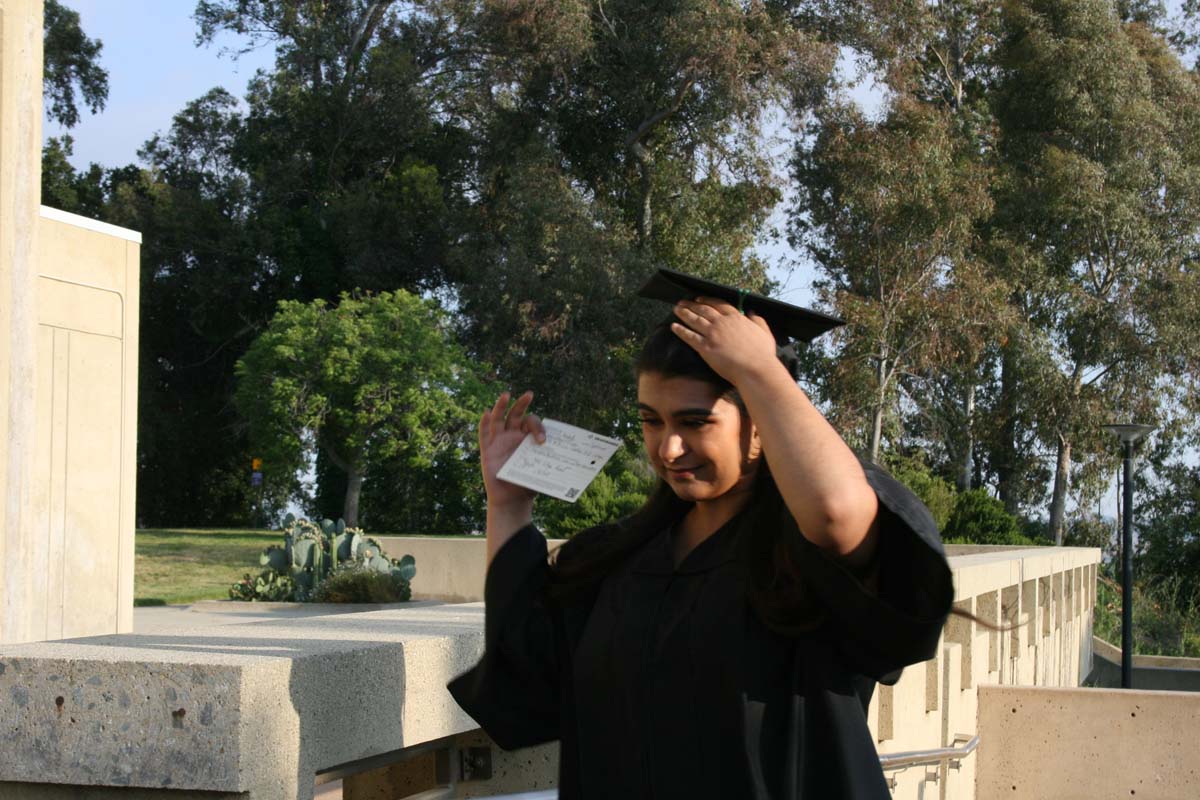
(564, 465)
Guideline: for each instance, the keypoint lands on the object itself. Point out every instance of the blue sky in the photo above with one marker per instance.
(154, 68)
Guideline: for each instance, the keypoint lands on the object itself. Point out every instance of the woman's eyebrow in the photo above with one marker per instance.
(699, 411)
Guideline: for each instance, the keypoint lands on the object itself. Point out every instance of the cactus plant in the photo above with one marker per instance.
(311, 553)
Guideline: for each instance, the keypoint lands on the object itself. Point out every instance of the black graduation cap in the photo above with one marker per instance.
(786, 321)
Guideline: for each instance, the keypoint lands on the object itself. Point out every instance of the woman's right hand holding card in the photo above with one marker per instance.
(501, 431)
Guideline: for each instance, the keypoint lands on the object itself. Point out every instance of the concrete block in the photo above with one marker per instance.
(258, 708)
(1079, 744)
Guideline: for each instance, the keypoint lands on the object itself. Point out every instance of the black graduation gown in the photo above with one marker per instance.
(664, 683)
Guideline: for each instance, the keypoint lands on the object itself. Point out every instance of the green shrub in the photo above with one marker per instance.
(1091, 532)
(1165, 623)
(979, 518)
(618, 491)
(936, 493)
(357, 584)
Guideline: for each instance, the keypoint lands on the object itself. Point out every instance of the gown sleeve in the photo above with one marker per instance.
(513, 692)
(893, 618)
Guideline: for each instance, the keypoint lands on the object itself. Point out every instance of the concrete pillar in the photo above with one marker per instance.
(20, 198)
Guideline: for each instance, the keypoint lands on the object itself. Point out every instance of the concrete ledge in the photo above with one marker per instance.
(448, 569)
(453, 570)
(256, 708)
(1041, 743)
(1157, 673)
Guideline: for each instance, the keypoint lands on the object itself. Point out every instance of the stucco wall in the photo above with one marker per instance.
(75, 541)
(20, 190)
(1164, 673)
(448, 569)
(87, 345)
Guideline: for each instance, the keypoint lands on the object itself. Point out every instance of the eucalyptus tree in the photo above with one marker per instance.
(888, 212)
(1098, 211)
(933, 59)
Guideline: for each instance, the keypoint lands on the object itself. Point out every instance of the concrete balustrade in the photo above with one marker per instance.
(257, 709)
(1046, 596)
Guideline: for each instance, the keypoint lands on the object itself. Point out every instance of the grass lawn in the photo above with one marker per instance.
(184, 565)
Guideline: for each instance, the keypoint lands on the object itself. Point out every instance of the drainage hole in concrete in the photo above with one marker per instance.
(58, 701)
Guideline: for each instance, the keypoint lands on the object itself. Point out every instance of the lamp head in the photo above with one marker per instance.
(1128, 432)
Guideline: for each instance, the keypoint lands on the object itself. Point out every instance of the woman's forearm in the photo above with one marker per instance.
(503, 521)
(819, 477)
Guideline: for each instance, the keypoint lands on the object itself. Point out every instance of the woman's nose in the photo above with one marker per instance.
(671, 447)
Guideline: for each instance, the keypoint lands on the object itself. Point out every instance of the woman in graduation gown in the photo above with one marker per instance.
(724, 641)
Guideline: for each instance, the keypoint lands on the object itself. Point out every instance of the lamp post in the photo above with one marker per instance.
(1129, 434)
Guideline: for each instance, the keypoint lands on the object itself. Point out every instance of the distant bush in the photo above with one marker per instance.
(979, 518)
(1091, 532)
(1164, 624)
(357, 584)
(268, 586)
(937, 494)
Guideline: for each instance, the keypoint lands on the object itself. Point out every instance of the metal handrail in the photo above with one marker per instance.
(914, 758)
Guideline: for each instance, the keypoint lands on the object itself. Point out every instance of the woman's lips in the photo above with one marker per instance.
(682, 473)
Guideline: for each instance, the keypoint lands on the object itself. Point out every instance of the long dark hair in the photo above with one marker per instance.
(773, 584)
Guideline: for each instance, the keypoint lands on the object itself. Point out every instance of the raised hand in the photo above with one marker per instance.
(732, 343)
(501, 430)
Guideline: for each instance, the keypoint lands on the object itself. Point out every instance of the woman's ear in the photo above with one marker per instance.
(754, 447)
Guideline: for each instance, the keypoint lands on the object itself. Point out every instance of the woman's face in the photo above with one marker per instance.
(698, 442)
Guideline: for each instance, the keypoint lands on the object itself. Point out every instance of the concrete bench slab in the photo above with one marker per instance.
(256, 708)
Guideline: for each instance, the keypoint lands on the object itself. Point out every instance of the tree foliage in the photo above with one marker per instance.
(1168, 533)
(70, 64)
(888, 211)
(1012, 237)
(375, 378)
(1099, 215)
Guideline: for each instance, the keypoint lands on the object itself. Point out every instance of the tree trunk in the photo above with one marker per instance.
(354, 482)
(645, 214)
(877, 416)
(1062, 478)
(968, 456)
(1006, 457)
